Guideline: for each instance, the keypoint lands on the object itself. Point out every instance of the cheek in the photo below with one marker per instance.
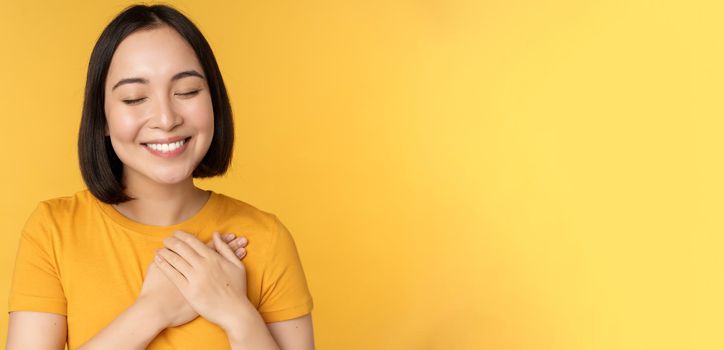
(123, 126)
(201, 115)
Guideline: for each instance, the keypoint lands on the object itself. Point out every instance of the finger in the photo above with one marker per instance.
(183, 249)
(225, 251)
(238, 243)
(240, 253)
(193, 242)
(229, 237)
(171, 273)
(176, 262)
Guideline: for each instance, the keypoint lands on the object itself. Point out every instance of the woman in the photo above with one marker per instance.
(155, 116)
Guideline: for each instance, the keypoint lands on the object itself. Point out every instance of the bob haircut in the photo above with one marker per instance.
(101, 168)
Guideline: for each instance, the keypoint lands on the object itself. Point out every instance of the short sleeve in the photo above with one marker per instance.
(36, 282)
(285, 294)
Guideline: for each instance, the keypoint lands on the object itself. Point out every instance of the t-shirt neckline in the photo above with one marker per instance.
(192, 225)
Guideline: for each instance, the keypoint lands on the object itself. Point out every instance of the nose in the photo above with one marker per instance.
(165, 116)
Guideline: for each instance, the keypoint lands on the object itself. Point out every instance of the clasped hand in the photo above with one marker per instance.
(200, 279)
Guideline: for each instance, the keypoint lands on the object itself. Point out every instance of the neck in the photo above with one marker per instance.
(161, 204)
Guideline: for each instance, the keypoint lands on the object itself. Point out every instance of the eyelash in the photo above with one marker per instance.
(137, 101)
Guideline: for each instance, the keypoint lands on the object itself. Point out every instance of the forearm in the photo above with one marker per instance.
(135, 328)
(248, 331)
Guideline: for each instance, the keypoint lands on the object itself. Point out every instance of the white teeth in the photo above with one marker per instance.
(166, 147)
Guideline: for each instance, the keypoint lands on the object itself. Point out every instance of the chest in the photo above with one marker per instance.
(102, 274)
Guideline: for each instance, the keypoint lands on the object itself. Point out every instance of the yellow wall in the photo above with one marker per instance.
(457, 174)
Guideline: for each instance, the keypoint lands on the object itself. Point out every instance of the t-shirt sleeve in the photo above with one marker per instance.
(285, 294)
(36, 282)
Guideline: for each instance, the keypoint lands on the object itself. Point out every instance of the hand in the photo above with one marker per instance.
(213, 282)
(160, 293)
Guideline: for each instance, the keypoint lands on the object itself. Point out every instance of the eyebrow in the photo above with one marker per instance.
(184, 74)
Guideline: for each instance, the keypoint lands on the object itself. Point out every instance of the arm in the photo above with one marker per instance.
(294, 334)
(25, 326)
(247, 330)
(135, 328)
(250, 332)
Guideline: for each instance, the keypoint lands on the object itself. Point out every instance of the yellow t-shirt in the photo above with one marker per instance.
(81, 258)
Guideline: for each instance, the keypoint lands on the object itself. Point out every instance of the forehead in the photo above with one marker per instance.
(156, 54)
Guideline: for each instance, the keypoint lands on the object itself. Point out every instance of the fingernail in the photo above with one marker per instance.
(239, 251)
(229, 235)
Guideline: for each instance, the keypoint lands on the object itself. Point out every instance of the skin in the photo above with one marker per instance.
(212, 283)
(173, 305)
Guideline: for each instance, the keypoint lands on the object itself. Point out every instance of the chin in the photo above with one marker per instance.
(170, 179)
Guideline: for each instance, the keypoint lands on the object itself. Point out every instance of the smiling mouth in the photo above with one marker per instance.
(167, 147)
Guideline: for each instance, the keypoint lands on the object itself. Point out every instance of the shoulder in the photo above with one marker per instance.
(233, 208)
(67, 204)
(257, 224)
(57, 211)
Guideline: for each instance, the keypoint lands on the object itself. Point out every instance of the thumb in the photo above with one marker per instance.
(225, 251)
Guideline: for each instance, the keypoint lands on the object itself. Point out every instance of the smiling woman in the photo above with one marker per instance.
(137, 259)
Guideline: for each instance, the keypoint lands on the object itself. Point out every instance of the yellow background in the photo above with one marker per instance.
(457, 174)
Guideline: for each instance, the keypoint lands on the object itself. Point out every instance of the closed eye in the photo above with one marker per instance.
(133, 102)
(190, 93)
(139, 100)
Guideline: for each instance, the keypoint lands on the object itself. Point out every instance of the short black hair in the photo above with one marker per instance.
(101, 168)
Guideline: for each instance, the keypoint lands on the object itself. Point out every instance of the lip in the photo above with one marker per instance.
(171, 154)
(166, 140)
